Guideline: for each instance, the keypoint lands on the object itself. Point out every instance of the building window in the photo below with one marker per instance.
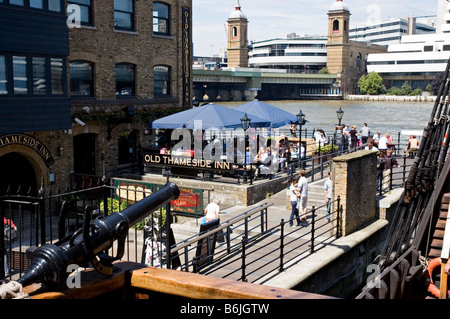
(335, 25)
(234, 32)
(85, 10)
(81, 78)
(16, 2)
(124, 14)
(161, 18)
(54, 5)
(39, 78)
(57, 76)
(125, 79)
(161, 75)
(3, 80)
(38, 4)
(20, 75)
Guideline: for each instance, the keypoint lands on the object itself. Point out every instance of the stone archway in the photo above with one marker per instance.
(16, 173)
(19, 160)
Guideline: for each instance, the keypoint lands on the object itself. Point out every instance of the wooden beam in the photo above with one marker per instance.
(166, 281)
(195, 286)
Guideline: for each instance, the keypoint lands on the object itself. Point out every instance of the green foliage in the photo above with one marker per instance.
(436, 84)
(323, 70)
(326, 149)
(371, 84)
(114, 205)
(404, 90)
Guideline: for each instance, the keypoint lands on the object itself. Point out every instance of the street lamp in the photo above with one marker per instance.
(245, 121)
(340, 115)
(300, 121)
(338, 136)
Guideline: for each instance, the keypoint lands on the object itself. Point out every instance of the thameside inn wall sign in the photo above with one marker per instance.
(31, 142)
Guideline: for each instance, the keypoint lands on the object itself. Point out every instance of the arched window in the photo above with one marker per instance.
(81, 78)
(359, 62)
(234, 32)
(161, 18)
(161, 75)
(335, 25)
(125, 80)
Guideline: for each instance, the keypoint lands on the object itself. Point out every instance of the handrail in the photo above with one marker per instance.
(222, 226)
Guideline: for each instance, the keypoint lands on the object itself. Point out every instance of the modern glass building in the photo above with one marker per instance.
(295, 54)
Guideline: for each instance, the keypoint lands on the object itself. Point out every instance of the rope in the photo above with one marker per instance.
(12, 290)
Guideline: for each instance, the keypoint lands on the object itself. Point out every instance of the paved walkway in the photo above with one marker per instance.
(263, 255)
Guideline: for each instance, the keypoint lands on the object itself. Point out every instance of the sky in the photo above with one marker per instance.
(269, 19)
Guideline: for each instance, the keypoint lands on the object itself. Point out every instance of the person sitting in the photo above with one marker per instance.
(212, 212)
(370, 146)
(413, 146)
(383, 143)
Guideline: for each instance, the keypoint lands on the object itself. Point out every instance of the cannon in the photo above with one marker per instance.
(49, 262)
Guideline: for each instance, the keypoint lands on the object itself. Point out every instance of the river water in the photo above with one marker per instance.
(385, 117)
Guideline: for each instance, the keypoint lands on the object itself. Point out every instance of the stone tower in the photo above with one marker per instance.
(338, 37)
(237, 38)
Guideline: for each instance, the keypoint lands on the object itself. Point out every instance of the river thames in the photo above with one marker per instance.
(385, 117)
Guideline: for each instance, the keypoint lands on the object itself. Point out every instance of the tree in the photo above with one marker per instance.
(323, 70)
(436, 84)
(405, 89)
(372, 84)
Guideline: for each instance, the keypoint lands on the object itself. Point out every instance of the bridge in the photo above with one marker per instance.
(245, 84)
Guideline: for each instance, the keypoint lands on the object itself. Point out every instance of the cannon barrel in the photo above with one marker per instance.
(49, 262)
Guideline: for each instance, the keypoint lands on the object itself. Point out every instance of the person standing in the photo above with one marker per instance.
(10, 234)
(327, 192)
(364, 133)
(293, 197)
(303, 199)
(353, 137)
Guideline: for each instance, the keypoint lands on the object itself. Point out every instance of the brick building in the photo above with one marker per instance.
(347, 59)
(106, 69)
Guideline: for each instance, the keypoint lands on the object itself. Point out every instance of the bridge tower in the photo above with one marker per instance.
(237, 38)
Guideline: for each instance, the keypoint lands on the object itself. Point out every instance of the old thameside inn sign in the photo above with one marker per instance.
(31, 142)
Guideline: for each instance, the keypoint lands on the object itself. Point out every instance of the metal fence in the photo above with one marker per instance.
(52, 217)
(249, 248)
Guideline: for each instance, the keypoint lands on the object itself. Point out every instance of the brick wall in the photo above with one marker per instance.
(354, 178)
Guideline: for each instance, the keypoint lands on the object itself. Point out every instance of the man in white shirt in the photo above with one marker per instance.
(383, 144)
(303, 190)
(364, 133)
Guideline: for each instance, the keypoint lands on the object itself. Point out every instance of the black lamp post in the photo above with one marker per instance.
(300, 121)
(340, 115)
(245, 121)
(339, 137)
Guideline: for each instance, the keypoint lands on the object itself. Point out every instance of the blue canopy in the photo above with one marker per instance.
(209, 116)
(276, 116)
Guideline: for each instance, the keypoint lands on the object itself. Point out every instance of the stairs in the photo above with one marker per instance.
(316, 196)
(439, 230)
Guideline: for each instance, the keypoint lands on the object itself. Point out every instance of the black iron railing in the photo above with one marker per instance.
(254, 249)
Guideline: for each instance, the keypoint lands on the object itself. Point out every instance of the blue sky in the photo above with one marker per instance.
(275, 19)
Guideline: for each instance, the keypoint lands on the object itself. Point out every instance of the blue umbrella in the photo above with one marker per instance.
(211, 116)
(276, 116)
